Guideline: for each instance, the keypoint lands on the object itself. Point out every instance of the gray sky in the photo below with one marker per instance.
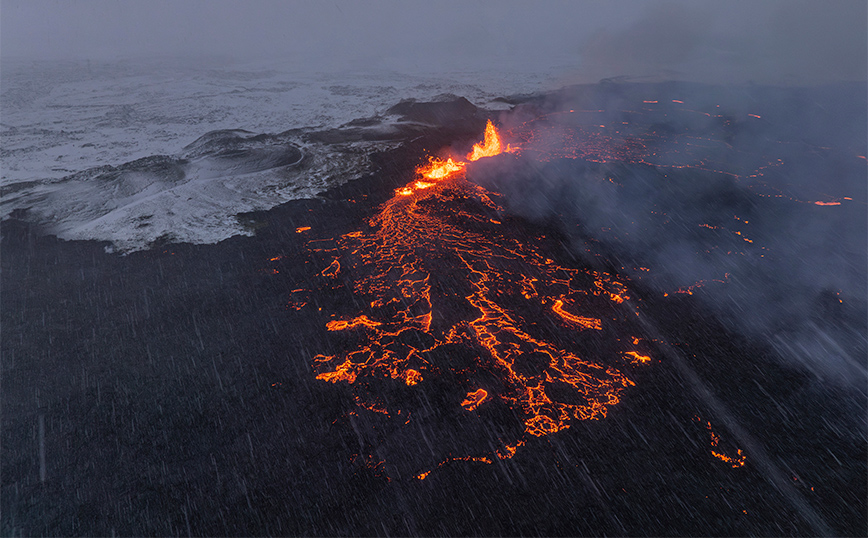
(766, 41)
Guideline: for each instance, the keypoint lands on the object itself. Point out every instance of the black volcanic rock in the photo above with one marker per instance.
(449, 110)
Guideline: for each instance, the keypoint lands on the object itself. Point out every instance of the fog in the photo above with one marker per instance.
(229, 318)
(735, 41)
(794, 272)
(746, 43)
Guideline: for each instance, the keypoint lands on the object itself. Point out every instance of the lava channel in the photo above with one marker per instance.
(437, 271)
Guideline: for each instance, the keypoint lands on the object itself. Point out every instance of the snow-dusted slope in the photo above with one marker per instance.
(191, 196)
(107, 151)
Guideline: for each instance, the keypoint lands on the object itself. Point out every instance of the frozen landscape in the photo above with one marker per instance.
(66, 124)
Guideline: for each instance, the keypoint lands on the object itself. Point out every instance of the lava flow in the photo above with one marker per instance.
(438, 169)
(439, 275)
(734, 461)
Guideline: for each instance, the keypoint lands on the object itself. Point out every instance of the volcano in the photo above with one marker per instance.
(565, 319)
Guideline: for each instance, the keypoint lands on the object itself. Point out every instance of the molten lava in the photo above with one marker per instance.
(489, 148)
(690, 289)
(735, 462)
(637, 357)
(437, 233)
(439, 169)
(586, 323)
(438, 271)
(474, 399)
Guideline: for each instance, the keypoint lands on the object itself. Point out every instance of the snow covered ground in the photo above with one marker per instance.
(66, 125)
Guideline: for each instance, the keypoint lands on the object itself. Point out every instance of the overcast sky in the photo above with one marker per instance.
(766, 41)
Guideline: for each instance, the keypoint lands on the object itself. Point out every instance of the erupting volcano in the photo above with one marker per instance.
(437, 169)
(531, 291)
(611, 309)
(449, 290)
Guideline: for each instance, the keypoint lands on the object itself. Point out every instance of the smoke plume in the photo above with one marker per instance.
(750, 198)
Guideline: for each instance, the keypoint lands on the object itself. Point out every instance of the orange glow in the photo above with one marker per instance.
(738, 233)
(541, 425)
(474, 399)
(754, 116)
(396, 267)
(527, 288)
(510, 450)
(302, 229)
(439, 169)
(481, 459)
(637, 358)
(355, 322)
(412, 377)
(605, 286)
(586, 141)
(490, 147)
(735, 462)
(402, 265)
(332, 270)
(343, 372)
(689, 289)
(296, 301)
(391, 273)
(587, 323)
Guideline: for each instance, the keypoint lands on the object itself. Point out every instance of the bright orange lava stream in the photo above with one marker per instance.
(439, 169)
(440, 230)
(586, 323)
(438, 270)
(490, 147)
(474, 399)
(736, 462)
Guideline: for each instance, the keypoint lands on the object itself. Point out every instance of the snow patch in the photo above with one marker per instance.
(67, 128)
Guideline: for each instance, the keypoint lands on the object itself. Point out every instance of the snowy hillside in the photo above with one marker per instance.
(103, 151)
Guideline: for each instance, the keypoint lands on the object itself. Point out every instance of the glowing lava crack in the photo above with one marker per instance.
(439, 228)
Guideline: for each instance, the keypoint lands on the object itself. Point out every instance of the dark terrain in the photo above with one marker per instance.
(173, 393)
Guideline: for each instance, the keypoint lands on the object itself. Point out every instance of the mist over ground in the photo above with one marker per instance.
(774, 42)
(231, 305)
(751, 198)
(789, 75)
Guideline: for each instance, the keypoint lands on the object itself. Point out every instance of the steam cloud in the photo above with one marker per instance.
(794, 271)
